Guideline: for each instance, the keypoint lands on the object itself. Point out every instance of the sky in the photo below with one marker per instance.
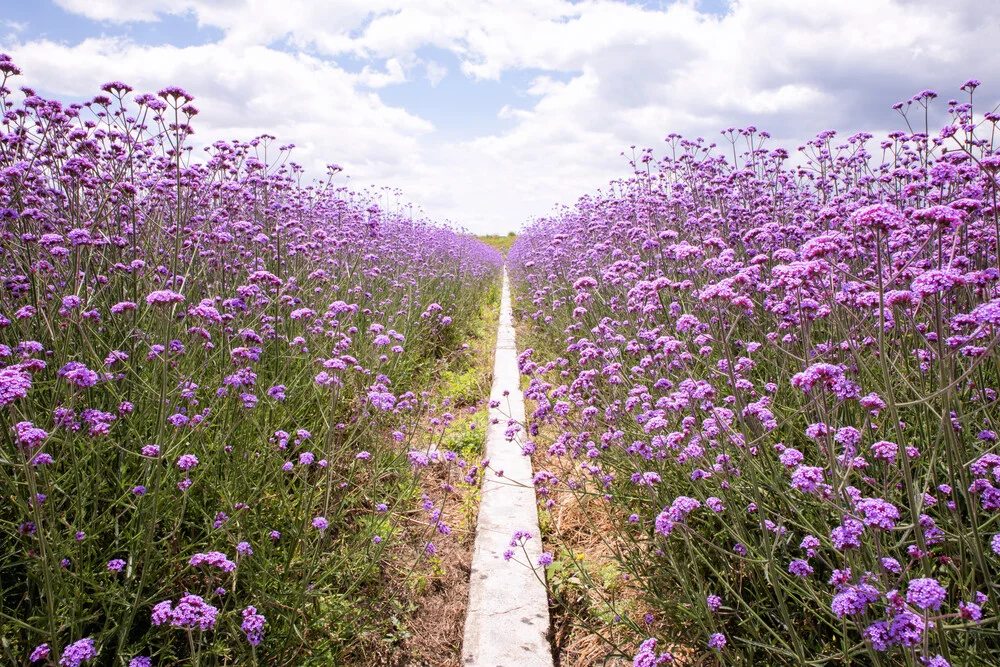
(489, 113)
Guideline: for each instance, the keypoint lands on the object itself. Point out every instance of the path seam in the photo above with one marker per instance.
(507, 619)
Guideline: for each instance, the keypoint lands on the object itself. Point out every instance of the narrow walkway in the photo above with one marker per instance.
(507, 621)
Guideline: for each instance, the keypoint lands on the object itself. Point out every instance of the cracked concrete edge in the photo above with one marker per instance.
(507, 619)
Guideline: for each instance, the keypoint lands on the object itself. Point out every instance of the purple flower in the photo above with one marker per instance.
(878, 513)
(936, 661)
(213, 559)
(164, 297)
(807, 478)
(545, 559)
(253, 625)
(244, 549)
(714, 602)
(853, 600)
(14, 384)
(878, 635)
(41, 459)
(907, 629)
(790, 458)
(78, 652)
(187, 461)
(191, 612)
(140, 661)
(970, 611)
(892, 565)
(847, 534)
(116, 565)
(925, 593)
(79, 375)
(40, 653)
(681, 507)
(320, 523)
(800, 568)
(648, 657)
(885, 450)
(717, 641)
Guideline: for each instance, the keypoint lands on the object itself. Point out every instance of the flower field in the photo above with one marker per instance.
(214, 421)
(770, 385)
(240, 409)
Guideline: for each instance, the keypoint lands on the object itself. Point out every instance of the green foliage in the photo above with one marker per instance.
(499, 242)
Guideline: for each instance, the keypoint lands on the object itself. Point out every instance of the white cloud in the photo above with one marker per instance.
(435, 72)
(604, 75)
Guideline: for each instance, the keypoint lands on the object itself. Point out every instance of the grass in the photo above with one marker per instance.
(499, 242)
(432, 611)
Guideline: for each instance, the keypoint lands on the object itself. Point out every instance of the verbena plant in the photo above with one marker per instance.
(210, 381)
(777, 384)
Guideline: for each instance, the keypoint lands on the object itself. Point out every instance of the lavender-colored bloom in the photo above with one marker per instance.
(878, 513)
(663, 525)
(187, 461)
(140, 661)
(790, 458)
(14, 384)
(885, 450)
(116, 565)
(807, 478)
(907, 629)
(800, 568)
(714, 602)
(78, 375)
(253, 625)
(78, 652)
(243, 548)
(164, 297)
(925, 593)
(936, 661)
(892, 565)
(648, 657)
(41, 459)
(320, 523)
(213, 559)
(853, 600)
(970, 611)
(681, 507)
(847, 535)
(545, 559)
(878, 635)
(39, 653)
(717, 641)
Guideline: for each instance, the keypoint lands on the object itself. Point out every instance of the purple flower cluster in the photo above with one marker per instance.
(810, 340)
(191, 612)
(155, 293)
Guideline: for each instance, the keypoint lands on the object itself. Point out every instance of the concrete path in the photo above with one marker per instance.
(507, 621)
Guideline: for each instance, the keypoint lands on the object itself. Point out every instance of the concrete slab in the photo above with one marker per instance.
(507, 621)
